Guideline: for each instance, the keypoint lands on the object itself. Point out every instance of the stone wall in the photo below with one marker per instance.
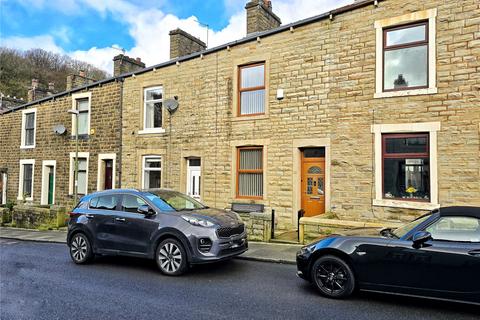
(104, 138)
(31, 217)
(259, 225)
(327, 72)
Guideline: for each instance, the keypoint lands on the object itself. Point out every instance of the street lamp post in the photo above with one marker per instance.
(75, 177)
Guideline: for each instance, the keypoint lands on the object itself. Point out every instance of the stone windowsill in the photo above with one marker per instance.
(151, 131)
(403, 93)
(250, 118)
(405, 204)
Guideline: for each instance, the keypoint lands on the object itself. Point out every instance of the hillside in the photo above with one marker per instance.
(17, 68)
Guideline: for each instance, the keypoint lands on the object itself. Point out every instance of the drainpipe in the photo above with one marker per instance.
(119, 164)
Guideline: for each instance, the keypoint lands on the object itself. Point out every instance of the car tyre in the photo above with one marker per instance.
(80, 249)
(333, 277)
(171, 257)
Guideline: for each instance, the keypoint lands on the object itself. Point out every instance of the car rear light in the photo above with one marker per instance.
(204, 244)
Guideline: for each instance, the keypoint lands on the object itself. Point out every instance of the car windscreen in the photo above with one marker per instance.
(403, 230)
(176, 200)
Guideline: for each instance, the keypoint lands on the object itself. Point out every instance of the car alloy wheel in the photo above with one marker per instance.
(80, 249)
(333, 277)
(171, 257)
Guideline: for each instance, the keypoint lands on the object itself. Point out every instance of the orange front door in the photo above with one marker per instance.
(313, 182)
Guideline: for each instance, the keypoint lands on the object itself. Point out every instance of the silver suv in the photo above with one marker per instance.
(170, 227)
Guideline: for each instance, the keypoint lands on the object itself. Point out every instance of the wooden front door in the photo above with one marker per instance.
(313, 181)
(108, 174)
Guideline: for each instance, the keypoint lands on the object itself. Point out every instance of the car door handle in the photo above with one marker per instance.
(474, 253)
(120, 219)
(89, 216)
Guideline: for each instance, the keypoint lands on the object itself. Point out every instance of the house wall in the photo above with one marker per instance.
(104, 138)
(327, 71)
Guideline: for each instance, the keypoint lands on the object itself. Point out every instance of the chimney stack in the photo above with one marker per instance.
(78, 80)
(124, 64)
(260, 16)
(183, 44)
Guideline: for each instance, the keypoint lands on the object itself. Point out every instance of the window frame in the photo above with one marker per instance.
(144, 158)
(71, 184)
(418, 155)
(240, 90)
(146, 130)
(23, 135)
(75, 99)
(21, 179)
(414, 44)
(240, 171)
(429, 15)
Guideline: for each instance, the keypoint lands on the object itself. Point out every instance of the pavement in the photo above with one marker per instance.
(39, 281)
(257, 251)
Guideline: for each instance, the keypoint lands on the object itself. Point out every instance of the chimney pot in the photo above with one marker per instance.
(34, 83)
(81, 73)
(51, 86)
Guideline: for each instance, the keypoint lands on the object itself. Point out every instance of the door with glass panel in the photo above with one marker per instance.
(313, 181)
(194, 178)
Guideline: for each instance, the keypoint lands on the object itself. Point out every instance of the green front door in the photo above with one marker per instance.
(50, 186)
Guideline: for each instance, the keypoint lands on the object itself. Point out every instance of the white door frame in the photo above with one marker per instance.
(45, 182)
(4, 187)
(191, 170)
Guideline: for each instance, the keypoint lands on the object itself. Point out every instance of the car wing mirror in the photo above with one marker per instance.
(145, 210)
(420, 237)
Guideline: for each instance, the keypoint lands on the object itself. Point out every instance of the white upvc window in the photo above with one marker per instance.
(29, 128)
(82, 103)
(151, 172)
(83, 159)
(26, 179)
(406, 165)
(152, 110)
(406, 55)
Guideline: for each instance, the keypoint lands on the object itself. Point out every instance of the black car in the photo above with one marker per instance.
(164, 225)
(435, 256)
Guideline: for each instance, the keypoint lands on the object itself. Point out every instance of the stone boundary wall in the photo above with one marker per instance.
(31, 217)
(259, 225)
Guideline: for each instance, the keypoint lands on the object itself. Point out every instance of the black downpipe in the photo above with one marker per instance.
(300, 214)
(272, 235)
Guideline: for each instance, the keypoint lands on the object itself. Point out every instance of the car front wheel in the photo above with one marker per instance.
(171, 257)
(80, 249)
(333, 277)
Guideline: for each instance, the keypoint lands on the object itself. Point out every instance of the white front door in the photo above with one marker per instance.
(194, 178)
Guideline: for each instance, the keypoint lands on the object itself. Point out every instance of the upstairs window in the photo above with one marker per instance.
(28, 128)
(406, 167)
(83, 107)
(251, 89)
(405, 57)
(250, 172)
(153, 99)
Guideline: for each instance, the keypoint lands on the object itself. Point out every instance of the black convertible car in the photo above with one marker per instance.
(435, 256)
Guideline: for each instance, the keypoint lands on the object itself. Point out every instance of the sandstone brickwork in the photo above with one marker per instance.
(104, 138)
(327, 71)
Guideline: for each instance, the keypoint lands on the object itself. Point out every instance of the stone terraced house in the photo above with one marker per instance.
(38, 146)
(367, 113)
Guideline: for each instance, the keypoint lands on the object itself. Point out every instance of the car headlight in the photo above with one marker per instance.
(198, 221)
(307, 249)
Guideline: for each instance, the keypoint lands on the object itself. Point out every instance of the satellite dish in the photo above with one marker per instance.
(171, 105)
(59, 129)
